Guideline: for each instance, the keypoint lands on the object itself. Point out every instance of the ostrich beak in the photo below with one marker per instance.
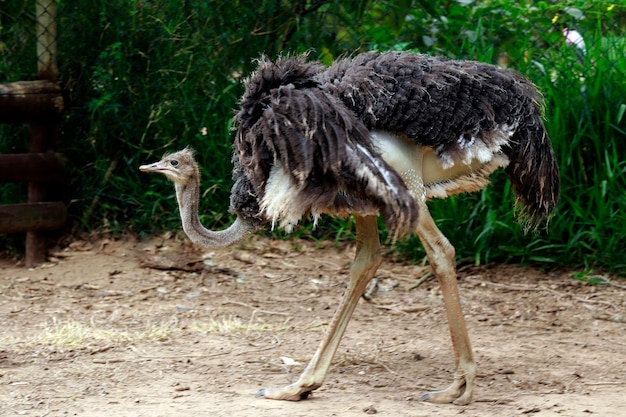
(155, 167)
(163, 167)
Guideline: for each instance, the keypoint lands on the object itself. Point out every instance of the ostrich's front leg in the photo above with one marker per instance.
(365, 264)
(441, 256)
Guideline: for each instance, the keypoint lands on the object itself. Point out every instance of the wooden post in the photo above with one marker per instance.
(43, 134)
(42, 139)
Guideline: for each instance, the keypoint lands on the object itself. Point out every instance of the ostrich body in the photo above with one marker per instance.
(377, 134)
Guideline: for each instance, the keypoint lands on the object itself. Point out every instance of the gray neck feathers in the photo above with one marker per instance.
(188, 196)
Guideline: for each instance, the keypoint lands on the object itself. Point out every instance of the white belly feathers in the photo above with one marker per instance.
(426, 174)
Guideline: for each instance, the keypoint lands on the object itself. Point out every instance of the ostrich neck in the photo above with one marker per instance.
(188, 196)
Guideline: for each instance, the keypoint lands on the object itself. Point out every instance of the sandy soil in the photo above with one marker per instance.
(160, 328)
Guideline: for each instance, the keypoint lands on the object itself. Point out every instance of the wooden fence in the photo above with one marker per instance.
(39, 104)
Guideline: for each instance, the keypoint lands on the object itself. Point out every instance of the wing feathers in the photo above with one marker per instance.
(326, 151)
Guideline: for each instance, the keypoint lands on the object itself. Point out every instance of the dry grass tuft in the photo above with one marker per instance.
(230, 325)
(76, 335)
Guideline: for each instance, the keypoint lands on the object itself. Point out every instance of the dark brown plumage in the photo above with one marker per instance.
(316, 122)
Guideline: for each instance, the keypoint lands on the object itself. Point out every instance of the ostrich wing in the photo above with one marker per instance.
(308, 153)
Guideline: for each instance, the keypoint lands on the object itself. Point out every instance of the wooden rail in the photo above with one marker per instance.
(32, 217)
(31, 167)
(30, 101)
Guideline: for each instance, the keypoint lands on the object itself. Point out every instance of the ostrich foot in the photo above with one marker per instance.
(459, 392)
(293, 392)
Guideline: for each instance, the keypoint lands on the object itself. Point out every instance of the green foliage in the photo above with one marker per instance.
(143, 78)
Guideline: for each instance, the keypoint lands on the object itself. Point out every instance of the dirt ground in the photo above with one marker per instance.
(160, 328)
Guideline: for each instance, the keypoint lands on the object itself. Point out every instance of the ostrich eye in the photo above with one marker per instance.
(174, 162)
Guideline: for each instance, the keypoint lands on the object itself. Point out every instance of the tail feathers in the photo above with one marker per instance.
(533, 172)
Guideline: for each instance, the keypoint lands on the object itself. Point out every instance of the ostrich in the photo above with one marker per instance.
(376, 134)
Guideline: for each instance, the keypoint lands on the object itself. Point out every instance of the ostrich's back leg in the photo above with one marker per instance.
(441, 256)
(366, 262)
(420, 168)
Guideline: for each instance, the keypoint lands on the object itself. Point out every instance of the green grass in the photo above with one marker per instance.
(589, 134)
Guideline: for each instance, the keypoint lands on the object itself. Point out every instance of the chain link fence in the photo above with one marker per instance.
(549, 39)
(507, 34)
(28, 40)
(46, 38)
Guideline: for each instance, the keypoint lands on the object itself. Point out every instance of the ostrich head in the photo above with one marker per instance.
(181, 168)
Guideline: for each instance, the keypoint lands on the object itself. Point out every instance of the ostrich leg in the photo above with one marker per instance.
(366, 262)
(441, 257)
